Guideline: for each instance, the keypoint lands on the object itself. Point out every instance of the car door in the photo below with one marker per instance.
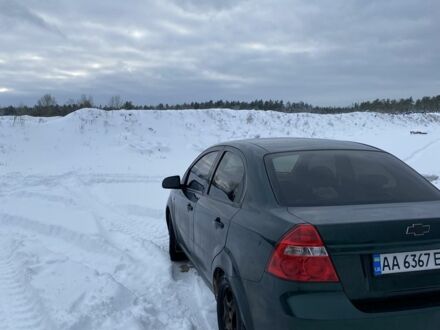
(196, 183)
(216, 208)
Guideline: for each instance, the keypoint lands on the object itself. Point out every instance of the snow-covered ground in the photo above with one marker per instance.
(83, 241)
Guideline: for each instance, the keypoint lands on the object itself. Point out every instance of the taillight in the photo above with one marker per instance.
(302, 256)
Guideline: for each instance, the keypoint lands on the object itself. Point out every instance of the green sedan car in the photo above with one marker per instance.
(302, 234)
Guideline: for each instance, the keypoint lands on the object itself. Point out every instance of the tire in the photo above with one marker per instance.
(176, 253)
(228, 312)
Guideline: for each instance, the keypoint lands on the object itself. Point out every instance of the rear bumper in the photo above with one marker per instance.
(278, 304)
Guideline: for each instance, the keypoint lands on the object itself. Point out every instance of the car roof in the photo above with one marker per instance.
(272, 145)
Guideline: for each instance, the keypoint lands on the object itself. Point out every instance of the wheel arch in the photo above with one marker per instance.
(169, 210)
(168, 216)
(224, 266)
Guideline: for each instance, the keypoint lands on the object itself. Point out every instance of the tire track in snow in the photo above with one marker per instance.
(142, 236)
(134, 250)
(48, 197)
(82, 241)
(20, 305)
(421, 150)
(111, 219)
(158, 295)
(15, 182)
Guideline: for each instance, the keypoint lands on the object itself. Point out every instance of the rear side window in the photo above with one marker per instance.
(285, 163)
(198, 178)
(344, 177)
(228, 181)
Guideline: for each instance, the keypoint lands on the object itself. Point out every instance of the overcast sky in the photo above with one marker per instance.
(149, 51)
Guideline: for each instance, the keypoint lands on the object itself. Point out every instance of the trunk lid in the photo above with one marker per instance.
(352, 234)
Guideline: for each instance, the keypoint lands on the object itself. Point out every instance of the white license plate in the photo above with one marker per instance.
(392, 263)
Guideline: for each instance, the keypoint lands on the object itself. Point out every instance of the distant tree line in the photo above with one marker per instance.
(47, 106)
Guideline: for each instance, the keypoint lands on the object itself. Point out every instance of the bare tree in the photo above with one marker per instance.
(115, 103)
(70, 102)
(46, 101)
(85, 101)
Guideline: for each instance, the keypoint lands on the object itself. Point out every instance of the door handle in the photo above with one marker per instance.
(218, 223)
(189, 207)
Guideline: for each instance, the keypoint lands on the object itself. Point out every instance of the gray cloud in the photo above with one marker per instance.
(207, 5)
(13, 13)
(172, 51)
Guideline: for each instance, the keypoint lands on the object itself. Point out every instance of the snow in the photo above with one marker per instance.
(83, 240)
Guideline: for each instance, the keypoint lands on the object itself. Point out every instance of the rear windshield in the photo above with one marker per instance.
(345, 177)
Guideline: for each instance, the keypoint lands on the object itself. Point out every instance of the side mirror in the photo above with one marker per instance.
(171, 182)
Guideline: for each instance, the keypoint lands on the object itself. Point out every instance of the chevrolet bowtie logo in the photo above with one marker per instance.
(418, 229)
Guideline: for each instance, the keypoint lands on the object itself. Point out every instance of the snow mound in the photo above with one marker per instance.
(83, 241)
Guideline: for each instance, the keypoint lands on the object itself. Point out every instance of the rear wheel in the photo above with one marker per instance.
(176, 253)
(228, 312)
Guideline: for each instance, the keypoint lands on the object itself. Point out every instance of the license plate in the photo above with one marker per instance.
(403, 262)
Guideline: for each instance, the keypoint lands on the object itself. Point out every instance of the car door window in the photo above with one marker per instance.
(228, 182)
(198, 178)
